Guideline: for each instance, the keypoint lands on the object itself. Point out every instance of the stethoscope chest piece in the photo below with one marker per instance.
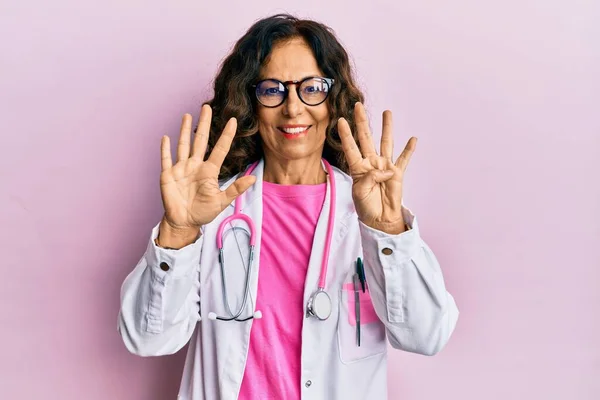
(319, 305)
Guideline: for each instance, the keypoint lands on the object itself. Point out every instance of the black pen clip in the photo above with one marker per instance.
(360, 270)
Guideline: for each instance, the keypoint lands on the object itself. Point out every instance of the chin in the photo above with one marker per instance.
(295, 154)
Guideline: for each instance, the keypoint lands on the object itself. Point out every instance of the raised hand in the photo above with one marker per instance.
(190, 189)
(377, 179)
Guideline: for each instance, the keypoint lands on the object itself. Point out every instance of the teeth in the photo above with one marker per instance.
(294, 131)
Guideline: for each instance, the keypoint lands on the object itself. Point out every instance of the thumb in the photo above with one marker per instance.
(238, 187)
(375, 176)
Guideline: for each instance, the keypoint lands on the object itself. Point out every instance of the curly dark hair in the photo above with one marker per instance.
(233, 95)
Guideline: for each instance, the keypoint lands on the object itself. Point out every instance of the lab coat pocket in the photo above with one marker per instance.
(372, 330)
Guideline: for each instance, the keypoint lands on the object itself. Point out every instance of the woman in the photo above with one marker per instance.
(286, 142)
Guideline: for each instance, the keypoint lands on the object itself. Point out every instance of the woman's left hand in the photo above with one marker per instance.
(377, 179)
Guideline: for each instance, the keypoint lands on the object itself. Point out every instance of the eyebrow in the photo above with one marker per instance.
(300, 80)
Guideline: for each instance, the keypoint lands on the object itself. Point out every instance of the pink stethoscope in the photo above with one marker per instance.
(319, 303)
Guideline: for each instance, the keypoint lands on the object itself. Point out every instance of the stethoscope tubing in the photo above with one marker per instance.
(237, 215)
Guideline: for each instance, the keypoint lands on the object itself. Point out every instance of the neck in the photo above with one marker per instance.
(306, 171)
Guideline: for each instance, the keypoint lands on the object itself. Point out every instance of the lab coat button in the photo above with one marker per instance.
(308, 383)
(387, 251)
(164, 266)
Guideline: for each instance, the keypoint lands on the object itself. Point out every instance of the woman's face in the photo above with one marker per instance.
(289, 61)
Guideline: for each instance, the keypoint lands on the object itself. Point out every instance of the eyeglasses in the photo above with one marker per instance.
(312, 91)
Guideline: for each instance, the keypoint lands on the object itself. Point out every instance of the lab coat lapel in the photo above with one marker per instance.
(344, 209)
(237, 347)
(252, 206)
(318, 248)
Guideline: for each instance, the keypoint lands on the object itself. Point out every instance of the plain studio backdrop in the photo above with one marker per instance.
(504, 97)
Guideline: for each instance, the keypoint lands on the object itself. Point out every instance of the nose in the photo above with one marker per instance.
(292, 106)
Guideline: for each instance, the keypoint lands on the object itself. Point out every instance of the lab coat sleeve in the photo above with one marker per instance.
(160, 304)
(407, 289)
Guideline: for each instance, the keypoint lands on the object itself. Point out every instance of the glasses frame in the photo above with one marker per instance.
(329, 81)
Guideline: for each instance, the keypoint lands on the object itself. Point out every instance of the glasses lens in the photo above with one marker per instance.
(314, 91)
(270, 93)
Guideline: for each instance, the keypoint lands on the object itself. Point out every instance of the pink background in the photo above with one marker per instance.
(503, 95)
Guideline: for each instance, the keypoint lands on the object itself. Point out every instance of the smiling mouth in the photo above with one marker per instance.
(294, 131)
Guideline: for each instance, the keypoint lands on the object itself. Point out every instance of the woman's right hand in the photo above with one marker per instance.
(190, 189)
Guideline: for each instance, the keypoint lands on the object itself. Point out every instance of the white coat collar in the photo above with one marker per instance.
(344, 203)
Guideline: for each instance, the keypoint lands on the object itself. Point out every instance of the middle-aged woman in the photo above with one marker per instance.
(298, 294)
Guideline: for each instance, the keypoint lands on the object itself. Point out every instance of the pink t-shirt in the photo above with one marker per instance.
(290, 214)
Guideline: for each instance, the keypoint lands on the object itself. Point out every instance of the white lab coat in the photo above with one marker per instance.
(162, 310)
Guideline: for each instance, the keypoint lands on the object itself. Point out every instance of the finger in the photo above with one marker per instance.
(404, 158)
(375, 176)
(202, 133)
(349, 146)
(238, 187)
(183, 148)
(364, 133)
(165, 153)
(387, 139)
(218, 154)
